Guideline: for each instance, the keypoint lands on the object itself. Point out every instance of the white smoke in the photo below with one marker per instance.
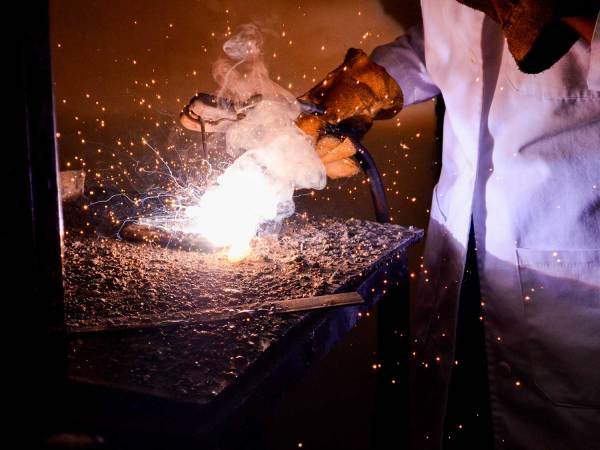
(242, 72)
(274, 157)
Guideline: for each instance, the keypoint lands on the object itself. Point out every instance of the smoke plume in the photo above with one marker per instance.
(274, 158)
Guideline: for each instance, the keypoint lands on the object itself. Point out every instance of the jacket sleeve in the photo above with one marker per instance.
(593, 79)
(404, 60)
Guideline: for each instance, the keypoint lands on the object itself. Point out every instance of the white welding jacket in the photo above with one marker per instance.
(521, 159)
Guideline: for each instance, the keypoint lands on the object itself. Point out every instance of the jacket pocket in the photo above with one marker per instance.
(561, 300)
(566, 79)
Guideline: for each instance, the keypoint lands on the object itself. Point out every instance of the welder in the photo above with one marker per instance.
(514, 231)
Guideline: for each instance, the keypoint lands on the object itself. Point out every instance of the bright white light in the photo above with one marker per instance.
(230, 212)
(258, 187)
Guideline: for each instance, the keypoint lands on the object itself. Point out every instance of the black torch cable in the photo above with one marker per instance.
(366, 161)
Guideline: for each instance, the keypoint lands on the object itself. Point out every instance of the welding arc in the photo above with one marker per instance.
(225, 314)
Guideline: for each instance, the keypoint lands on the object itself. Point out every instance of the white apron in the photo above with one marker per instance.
(521, 158)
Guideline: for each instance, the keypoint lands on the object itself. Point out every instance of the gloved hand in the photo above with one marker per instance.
(350, 97)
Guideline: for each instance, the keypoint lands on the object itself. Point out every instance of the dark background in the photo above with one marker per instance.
(124, 69)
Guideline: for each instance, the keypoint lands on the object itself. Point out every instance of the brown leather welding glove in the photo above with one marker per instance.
(351, 97)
